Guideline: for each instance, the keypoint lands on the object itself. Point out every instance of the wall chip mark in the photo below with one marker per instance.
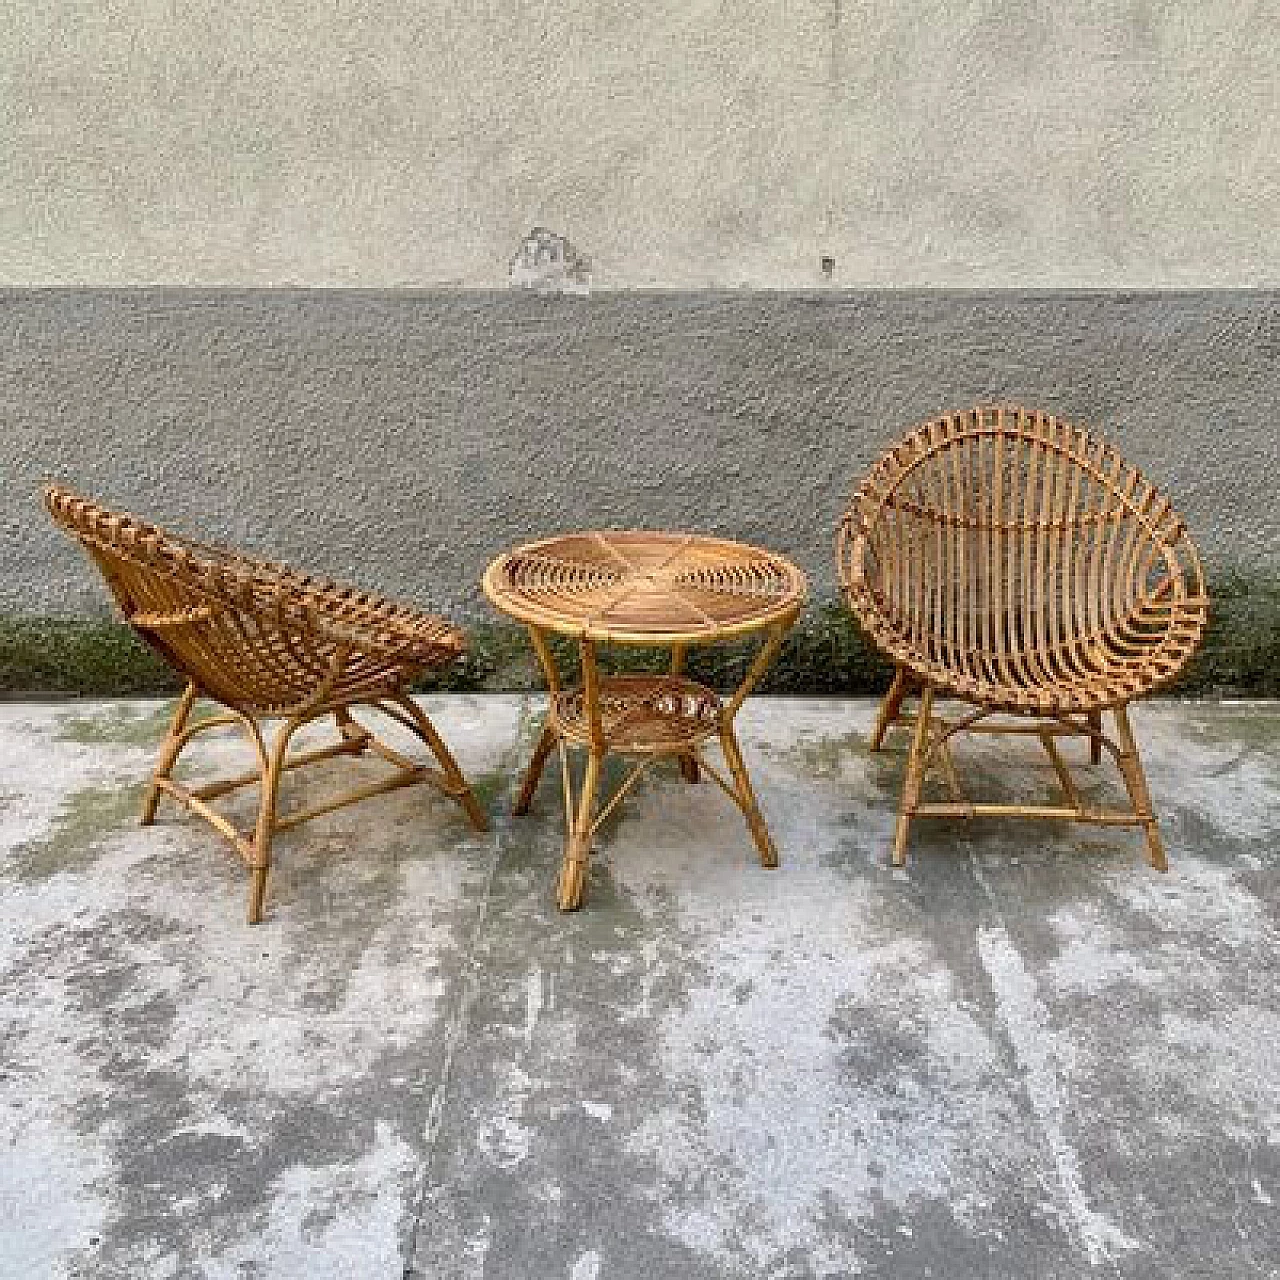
(587, 1267)
(547, 263)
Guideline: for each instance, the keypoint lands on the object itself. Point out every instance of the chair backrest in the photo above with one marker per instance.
(252, 634)
(1001, 530)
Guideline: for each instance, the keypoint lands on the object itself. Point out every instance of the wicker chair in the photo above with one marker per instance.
(1012, 561)
(267, 643)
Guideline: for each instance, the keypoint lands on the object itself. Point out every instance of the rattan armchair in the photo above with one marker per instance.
(1015, 563)
(268, 644)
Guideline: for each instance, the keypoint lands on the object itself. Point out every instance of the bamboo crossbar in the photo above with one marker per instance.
(633, 776)
(390, 755)
(718, 778)
(1063, 813)
(1034, 728)
(219, 721)
(197, 804)
(212, 790)
(405, 778)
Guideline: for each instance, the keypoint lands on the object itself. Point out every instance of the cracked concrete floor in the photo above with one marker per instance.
(1028, 1055)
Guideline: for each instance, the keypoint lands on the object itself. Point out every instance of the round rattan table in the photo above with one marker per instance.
(668, 590)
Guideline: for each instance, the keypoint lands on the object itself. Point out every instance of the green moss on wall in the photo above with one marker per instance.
(824, 654)
(1241, 651)
(70, 656)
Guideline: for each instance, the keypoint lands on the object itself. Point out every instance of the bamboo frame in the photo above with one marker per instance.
(269, 645)
(930, 738)
(1012, 561)
(654, 589)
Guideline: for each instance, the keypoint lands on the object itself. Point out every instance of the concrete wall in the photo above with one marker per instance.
(401, 440)
(680, 143)
(401, 437)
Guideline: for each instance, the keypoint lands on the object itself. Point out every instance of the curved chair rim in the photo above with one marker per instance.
(220, 578)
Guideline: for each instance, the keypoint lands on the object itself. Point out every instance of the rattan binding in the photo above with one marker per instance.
(267, 642)
(1014, 561)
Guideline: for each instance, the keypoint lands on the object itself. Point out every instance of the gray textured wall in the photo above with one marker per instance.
(681, 143)
(401, 440)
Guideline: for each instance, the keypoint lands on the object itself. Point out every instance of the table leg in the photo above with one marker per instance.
(746, 796)
(580, 819)
(549, 736)
(745, 793)
(689, 768)
(577, 848)
(533, 774)
(688, 761)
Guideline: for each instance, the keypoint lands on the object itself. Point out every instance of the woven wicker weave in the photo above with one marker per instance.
(267, 642)
(631, 586)
(1013, 561)
(642, 588)
(642, 714)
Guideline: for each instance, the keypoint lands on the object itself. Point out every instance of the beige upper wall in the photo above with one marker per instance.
(680, 143)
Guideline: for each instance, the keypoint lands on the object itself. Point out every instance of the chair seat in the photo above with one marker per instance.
(1081, 673)
(1012, 559)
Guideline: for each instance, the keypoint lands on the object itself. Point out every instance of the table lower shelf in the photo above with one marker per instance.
(642, 714)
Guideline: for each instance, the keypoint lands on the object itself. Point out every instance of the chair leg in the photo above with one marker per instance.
(533, 774)
(747, 796)
(1136, 783)
(260, 868)
(350, 729)
(889, 708)
(914, 781)
(169, 753)
(1095, 744)
(427, 732)
(577, 849)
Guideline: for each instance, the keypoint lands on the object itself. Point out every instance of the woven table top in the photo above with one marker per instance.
(645, 587)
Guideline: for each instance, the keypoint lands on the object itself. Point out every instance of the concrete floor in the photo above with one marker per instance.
(1027, 1055)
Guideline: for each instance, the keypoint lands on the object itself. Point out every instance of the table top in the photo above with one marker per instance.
(643, 587)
